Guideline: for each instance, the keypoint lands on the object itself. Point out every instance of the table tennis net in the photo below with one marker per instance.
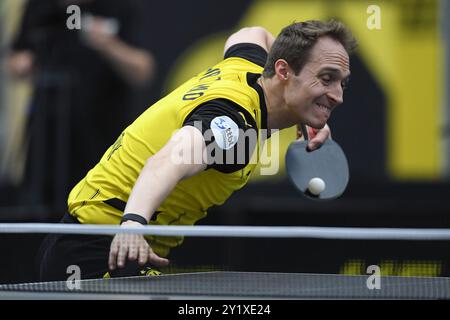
(249, 263)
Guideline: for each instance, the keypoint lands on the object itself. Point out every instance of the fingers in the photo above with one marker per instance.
(143, 254)
(156, 260)
(320, 138)
(133, 247)
(122, 254)
(121, 248)
(113, 254)
(311, 132)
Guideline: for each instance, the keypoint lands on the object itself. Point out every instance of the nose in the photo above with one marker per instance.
(336, 95)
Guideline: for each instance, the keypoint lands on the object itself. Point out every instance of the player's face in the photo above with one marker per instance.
(318, 88)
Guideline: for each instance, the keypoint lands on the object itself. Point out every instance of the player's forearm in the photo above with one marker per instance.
(165, 169)
(135, 65)
(156, 180)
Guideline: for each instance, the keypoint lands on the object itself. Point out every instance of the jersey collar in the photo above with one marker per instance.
(251, 81)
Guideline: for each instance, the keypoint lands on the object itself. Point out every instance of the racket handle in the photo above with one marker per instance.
(302, 128)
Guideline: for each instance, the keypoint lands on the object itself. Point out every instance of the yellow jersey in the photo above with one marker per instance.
(101, 196)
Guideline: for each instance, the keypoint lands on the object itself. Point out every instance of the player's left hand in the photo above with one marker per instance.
(317, 137)
(132, 247)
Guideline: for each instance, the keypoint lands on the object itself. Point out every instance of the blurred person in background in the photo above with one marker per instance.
(85, 85)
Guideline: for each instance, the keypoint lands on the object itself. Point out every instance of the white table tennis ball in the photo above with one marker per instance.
(316, 186)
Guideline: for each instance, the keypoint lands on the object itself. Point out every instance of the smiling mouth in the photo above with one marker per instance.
(324, 108)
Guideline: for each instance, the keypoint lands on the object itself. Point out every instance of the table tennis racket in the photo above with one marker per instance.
(328, 163)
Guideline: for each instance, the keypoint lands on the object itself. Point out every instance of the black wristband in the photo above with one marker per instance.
(133, 217)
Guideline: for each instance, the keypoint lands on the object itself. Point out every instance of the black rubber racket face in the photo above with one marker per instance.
(328, 163)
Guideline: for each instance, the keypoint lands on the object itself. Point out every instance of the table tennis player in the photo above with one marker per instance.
(262, 83)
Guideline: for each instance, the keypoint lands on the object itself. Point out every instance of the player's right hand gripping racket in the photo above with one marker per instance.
(327, 163)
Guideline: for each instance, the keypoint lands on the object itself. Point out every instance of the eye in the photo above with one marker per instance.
(326, 78)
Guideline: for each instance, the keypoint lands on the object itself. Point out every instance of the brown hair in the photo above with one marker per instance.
(295, 41)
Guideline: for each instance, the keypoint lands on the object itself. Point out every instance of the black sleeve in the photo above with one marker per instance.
(230, 134)
(249, 51)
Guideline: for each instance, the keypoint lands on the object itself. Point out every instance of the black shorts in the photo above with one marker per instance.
(60, 254)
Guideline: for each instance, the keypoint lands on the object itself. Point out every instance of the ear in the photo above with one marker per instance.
(282, 69)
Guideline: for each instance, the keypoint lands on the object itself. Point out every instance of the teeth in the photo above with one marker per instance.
(324, 107)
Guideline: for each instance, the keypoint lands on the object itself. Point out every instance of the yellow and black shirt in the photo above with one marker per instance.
(224, 96)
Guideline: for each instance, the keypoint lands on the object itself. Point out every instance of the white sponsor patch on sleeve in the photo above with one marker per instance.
(226, 132)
